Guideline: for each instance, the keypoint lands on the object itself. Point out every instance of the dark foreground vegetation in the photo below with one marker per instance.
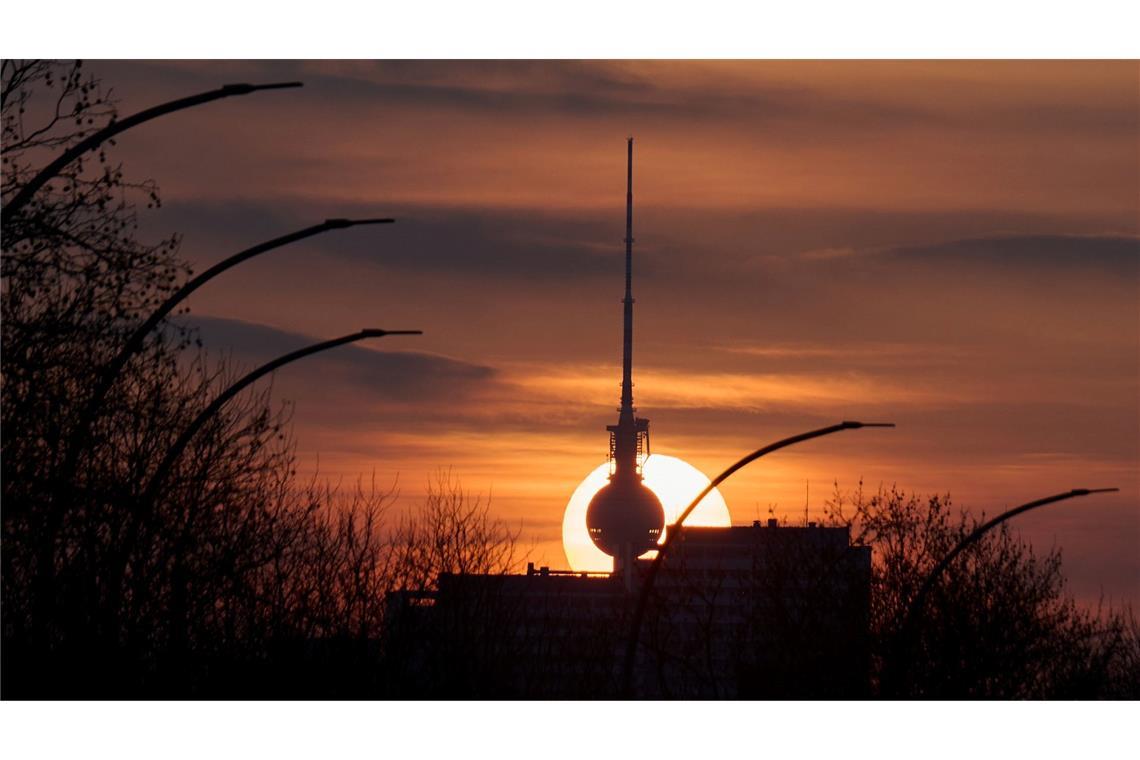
(232, 579)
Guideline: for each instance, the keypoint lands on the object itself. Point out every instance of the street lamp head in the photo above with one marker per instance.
(370, 332)
(245, 88)
(340, 224)
(856, 425)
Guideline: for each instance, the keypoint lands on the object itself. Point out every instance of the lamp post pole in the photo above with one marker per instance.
(647, 585)
(918, 603)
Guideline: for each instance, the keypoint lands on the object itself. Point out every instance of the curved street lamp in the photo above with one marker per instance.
(78, 439)
(647, 585)
(918, 603)
(215, 406)
(94, 140)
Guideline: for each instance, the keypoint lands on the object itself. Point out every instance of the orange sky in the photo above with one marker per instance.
(948, 245)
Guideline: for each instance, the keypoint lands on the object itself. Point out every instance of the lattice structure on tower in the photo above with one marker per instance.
(641, 428)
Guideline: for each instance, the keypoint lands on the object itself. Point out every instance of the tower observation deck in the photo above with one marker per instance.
(625, 518)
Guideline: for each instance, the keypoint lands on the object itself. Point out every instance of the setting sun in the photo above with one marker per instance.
(676, 483)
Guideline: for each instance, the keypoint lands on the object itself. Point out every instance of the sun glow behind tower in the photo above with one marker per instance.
(676, 483)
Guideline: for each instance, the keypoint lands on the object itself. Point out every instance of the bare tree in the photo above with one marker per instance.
(104, 590)
(74, 279)
(449, 629)
(998, 624)
(452, 533)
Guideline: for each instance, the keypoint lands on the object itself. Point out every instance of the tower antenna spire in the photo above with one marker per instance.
(627, 343)
(629, 438)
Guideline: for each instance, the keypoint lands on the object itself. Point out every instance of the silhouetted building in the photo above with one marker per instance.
(746, 611)
(759, 611)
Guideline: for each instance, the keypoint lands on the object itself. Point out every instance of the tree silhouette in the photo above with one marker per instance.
(74, 276)
(231, 574)
(998, 625)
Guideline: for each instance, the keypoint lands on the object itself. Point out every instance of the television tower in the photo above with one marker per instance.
(625, 518)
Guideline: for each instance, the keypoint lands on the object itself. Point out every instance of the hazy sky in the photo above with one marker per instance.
(949, 246)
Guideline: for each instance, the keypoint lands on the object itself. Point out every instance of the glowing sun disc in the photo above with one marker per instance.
(676, 483)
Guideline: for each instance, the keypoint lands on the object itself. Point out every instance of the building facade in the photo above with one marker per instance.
(758, 611)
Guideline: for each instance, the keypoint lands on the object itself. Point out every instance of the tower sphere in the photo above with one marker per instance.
(625, 512)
